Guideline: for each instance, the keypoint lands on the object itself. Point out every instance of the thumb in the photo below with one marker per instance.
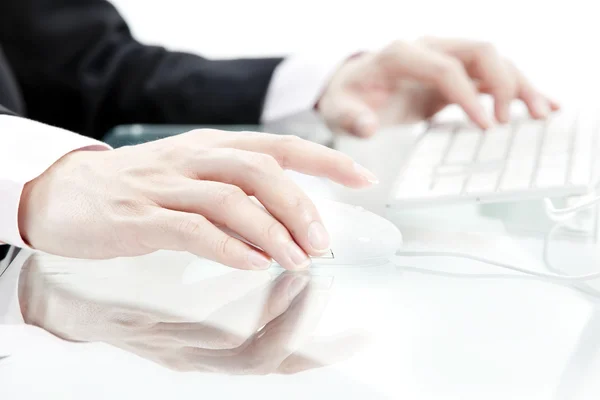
(353, 116)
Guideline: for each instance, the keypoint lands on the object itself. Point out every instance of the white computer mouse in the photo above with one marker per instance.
(358, 236)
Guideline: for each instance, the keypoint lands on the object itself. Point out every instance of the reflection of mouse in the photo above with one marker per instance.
(357, 235)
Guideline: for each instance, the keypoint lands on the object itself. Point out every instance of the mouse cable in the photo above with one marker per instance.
(559, 215)
(547, 275)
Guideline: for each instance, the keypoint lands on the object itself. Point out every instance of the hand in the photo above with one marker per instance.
(246, 323)
(174, 194)
(409, 82)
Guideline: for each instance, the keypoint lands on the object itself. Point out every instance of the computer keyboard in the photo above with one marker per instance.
(527, 158)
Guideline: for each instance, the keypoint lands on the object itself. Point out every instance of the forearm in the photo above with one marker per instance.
(80, 68)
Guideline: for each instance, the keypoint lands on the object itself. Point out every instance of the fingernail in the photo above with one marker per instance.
(258, 261)
(366, 124)
(485, 119)
(504, 114)
(542, 107)
(365, 173)
(318, 236)
(297, 285)
(298, 257)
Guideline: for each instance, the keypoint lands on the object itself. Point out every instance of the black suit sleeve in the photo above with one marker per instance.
(79, 68)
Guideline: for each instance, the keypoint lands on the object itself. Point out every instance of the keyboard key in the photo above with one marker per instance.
(526, 141)
(558, 135)
(482, 182)
(431, 148)
(445, 185)
(464, 146)
(556, 162)
(453, 169)
(495, 144)
(551, 176)
(583, 150)
(552, 157)
(517, 174)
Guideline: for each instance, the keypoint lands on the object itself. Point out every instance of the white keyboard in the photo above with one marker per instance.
(524, 159)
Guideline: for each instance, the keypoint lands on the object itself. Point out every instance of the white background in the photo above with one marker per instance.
(554, 41)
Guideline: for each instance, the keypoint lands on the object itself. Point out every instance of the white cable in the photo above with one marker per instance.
(562, 213)
(559, 215)
(547, 275)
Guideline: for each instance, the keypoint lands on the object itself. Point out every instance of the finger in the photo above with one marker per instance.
(498, 77)
(405, 60)
(182, 231)
(539, 106)
(261, 176)
(243, 318)
(307, 157)
(230, 208)
(274, 343)
(352, 115)
(483, 62)
(554, 105)
(232, 325)
(322, 352)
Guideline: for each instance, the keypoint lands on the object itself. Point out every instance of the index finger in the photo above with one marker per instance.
(292, 152)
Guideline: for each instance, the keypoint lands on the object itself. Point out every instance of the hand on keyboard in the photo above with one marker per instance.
(408, 82)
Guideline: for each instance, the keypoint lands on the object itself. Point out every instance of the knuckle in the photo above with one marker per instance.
(253, 134)
(223, 247)
(390, 52)
(191, 228)
(290, 139)
(485, 49)
(448, 70)
(259, 162)
(275, 232)
(175, 150)
(229, 196)
(195, 133)
(504, 91)
(288, 144)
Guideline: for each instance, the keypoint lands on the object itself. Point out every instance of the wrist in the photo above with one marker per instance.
(36, 193)
(348, 60)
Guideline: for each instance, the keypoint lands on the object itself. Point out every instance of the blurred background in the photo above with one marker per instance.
(555, 42)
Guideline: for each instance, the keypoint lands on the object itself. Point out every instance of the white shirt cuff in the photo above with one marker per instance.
(295, 88)
(27, 149)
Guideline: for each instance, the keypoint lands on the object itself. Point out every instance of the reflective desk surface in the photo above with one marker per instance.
(172, 325)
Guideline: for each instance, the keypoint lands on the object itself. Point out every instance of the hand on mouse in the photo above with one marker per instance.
(173, 193)
(408, 82)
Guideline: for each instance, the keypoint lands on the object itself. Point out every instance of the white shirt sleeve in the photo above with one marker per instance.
(27, 149)
(295, 88)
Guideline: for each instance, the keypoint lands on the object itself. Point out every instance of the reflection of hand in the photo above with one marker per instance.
(172, 194)
(408, 82)
(266, 329)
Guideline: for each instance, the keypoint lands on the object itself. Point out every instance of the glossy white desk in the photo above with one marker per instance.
(430, 328)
